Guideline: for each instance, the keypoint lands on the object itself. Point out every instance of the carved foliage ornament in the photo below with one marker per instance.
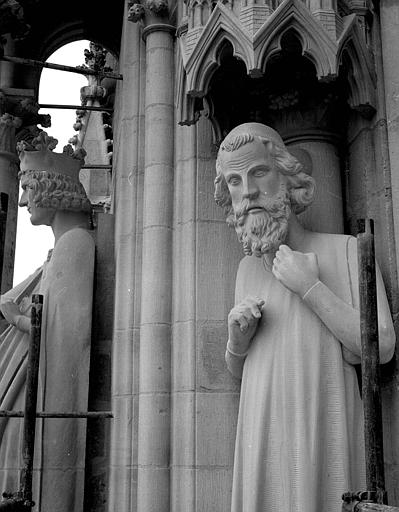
(12, 19)
(137, 9)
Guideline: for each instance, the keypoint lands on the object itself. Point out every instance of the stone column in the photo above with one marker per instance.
(156, 308)
(312, 129)
(319, 153)
(9, 198)
(387, 127)
(8, 175)
(127, 207)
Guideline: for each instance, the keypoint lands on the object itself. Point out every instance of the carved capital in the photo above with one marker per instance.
(20, 117)
(136, 12)
(148, 12)
(12, 19)
(92, 92)
(8, 126)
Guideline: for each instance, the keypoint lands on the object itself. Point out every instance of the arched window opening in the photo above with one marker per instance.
(56, 87)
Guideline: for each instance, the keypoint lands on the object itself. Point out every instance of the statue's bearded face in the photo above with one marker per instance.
(259, 197)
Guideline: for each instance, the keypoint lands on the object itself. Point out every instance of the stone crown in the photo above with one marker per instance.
(39, 157)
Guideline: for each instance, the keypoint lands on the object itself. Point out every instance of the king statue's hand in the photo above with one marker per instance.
(295, 270)
(242, 322)
(10, 311)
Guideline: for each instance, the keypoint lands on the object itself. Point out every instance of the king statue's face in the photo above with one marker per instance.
(38, 216)
(259, 197)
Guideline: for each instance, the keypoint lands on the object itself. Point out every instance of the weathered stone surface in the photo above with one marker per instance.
(184, 357)
(212, 373)
(216, 419)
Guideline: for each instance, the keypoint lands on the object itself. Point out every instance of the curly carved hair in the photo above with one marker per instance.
(300, 186)
(55, 190)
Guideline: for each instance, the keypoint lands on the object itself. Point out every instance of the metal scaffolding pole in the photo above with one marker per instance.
(371, 387)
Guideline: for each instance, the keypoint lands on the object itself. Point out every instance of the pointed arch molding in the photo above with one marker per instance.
(317, 45)
(255, 50)
(362, 76)
(222, 26)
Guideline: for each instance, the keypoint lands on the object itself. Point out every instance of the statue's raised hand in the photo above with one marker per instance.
(296, 270)
(242, 322)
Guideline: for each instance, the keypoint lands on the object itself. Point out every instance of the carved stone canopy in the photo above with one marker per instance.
(201, 55)
(288, 97)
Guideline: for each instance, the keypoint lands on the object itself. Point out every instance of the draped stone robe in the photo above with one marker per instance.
(66, 281)
(299, 443)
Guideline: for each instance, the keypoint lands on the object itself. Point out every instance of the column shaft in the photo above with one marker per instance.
(127, 202)
(326, 212)
(9, 190)
(156, 305)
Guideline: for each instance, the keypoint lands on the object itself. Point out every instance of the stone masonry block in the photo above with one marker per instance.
(183, 489)
(218, 257)
(125, 362)
(216, 429)
(183, 429)
(148, 479)
(183, 356)
(155, 353)
(214, 489)
(154, 430)
(211, 368)
(123, 430)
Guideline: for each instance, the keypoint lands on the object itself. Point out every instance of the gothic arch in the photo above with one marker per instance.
(317, 46)
(361, 75)
(222, 27)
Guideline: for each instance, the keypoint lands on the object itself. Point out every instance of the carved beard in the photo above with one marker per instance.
(265, 231)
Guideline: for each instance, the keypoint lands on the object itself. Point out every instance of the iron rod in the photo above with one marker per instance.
(32, 376)
(74, 107)
(371, 390)
(99, 166)
(92, 414)
(60, 67)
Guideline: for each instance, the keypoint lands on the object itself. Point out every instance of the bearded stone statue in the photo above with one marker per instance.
(294, 335)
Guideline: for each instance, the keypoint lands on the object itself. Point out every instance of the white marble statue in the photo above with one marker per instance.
(54, 197)
(294, 335)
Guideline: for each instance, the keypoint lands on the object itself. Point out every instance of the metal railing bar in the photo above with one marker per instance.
(99, 166)
(60, 67)
(89, 414)
(74, 107)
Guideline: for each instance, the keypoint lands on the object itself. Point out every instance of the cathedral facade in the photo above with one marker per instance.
(325, 75)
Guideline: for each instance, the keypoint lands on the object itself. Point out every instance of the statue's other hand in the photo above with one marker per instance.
(10, 311)
(242, 322)
(296, 270)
